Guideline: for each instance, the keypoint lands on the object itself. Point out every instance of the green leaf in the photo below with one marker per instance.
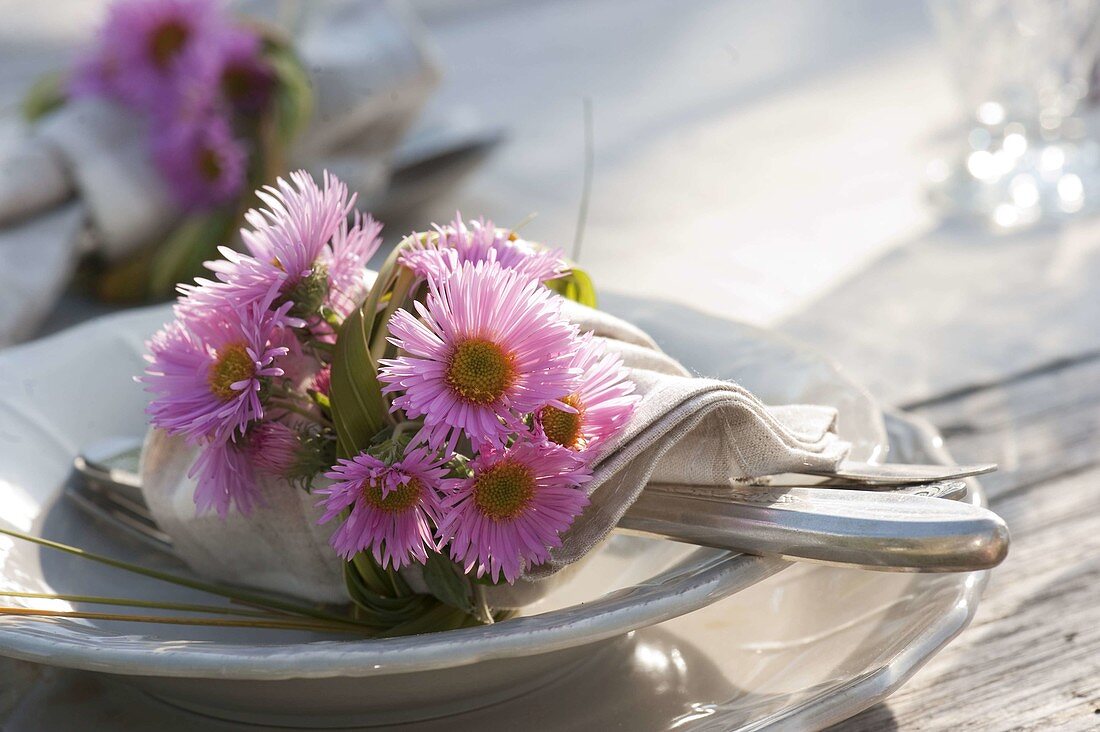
(576, 286)
(359, 410)
(44, 96)
(447, 583)
(399, 293)
(437, 618)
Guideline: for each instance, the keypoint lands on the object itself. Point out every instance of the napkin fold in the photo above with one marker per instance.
(685, 430)
(371, 72)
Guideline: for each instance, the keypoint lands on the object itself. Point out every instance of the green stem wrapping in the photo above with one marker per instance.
(373, 575)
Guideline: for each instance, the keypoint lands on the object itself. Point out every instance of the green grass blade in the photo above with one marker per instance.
(252, 598)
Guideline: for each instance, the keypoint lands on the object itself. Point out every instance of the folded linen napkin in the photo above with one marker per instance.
(371, 72)
(685, 430)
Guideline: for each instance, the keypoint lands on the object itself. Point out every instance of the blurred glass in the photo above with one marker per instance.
(1024, 69)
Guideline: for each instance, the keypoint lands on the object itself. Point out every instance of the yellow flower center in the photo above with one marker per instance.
(210, 165)
(504, 490)
(167, 41)
(561, 426)
(480, 371)
(233, 364)
(401, 498)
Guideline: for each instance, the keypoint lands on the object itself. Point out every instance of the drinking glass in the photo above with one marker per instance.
(1024, 70)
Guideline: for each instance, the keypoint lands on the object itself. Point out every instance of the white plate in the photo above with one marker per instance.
(837, 638)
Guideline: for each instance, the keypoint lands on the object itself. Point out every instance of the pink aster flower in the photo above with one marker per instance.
(207, 367)
(224, 479)
(351, 249)
(300, 220)
(203, 164)
(491, 346)
(392, 507)
(512, 511)
(273, 448)
(302, 245)
(145, 45)
(480, 241)
(604, 400)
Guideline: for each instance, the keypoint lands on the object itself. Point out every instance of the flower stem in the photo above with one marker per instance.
(300, 411)
(481, 605)
(177, 620)
(332, 318)
(252, 598)
(150, 604)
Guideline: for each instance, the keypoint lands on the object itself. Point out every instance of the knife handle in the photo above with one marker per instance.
(886, 531)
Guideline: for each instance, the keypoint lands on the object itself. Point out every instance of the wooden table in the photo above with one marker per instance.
(1031, 658)
(771, 155)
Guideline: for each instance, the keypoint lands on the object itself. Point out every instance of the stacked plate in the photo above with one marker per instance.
(648, 634)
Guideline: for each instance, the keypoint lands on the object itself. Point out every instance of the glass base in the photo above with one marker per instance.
(1012, 184)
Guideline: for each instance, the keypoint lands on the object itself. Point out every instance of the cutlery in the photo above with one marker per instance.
(900, 473)
(894, 528)
(911, 529)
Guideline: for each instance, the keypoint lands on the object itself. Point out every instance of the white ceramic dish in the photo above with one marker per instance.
(791, 635)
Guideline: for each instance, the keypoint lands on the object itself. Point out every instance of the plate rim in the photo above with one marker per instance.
(607, 617)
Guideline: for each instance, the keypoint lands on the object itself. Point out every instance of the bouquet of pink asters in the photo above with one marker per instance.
(222, 98)
(442, 412)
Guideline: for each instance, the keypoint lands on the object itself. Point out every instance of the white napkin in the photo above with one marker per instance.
(371, 72)
(279, 547)
(685, 430)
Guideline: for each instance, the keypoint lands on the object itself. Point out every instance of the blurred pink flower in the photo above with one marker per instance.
(244, 80)
(202, 163)
(273, 448)
(224, 479)
(144, 46)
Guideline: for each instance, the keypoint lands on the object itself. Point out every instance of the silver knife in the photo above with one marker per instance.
(899, 530)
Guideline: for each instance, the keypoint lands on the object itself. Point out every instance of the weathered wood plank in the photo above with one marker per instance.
(1031, 659)
(1036, 429)
(955, 307)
